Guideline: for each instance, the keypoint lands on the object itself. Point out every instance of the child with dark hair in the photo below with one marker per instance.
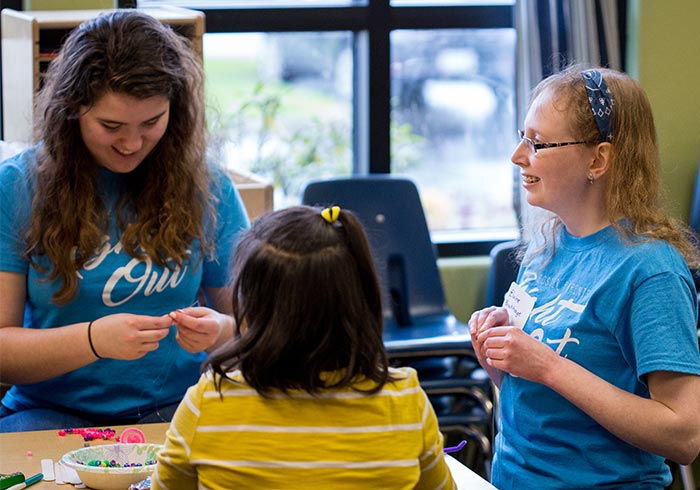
(303, 396)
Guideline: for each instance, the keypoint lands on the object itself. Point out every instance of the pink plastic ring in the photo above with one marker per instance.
(132, 435)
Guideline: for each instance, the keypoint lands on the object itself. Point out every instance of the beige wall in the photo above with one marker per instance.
(665, 58)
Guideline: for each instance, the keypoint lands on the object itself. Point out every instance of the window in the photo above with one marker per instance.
(280, 105)
(303, 89)
(452, 92)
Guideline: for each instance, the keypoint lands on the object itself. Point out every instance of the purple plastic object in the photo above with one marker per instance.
(454, 449)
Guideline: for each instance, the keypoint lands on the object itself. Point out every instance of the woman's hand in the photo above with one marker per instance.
(200, 328)
(126, 336)
(483, 320)
(510, 349)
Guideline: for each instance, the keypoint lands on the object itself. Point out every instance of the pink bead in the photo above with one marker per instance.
(29, 453)
(61, 432)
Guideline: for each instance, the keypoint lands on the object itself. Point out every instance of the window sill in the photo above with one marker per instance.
(470, 242)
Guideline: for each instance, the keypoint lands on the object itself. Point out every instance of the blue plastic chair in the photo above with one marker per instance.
(419, 329)
(686, 471)
(415, 310)
(695, 203)
(503, 271)
(694, 220)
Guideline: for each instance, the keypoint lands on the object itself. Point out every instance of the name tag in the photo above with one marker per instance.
(519, 305)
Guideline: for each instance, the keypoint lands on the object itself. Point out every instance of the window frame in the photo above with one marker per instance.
(372, 25)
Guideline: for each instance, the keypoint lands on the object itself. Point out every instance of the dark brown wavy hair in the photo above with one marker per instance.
(168, 197)
(308, 296)
(633, 193)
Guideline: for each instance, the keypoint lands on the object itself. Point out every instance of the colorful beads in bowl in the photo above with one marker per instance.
(113, 466)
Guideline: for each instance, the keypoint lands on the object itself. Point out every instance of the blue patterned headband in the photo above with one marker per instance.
(601, 100)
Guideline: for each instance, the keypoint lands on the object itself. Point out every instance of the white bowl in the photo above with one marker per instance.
(113, 478)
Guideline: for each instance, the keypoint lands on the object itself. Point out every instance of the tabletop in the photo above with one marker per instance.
(23, 451)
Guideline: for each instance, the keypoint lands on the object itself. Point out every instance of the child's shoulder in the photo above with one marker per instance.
(403, 377)
(209, 380)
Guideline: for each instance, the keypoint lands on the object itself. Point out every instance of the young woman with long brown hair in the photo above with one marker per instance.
(111, 227)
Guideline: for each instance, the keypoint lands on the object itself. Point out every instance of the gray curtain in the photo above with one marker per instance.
(555, 33)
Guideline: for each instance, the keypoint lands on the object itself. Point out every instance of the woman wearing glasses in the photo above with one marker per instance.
(600, 384)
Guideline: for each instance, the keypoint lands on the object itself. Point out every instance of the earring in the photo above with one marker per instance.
(590, 178)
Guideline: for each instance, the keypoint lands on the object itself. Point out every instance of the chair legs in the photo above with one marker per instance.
(474, 434)
(472, 391)
(687, 477)
(460, 397)
(469, 425)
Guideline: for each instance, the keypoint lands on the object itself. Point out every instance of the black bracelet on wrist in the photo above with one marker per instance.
(90, 340)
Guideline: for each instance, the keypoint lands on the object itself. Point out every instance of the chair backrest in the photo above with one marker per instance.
(503, 271)
(392, 214)
(695, 203)
(695, 225)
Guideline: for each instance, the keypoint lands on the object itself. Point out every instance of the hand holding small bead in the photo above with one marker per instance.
(198, 327)
(127, 336)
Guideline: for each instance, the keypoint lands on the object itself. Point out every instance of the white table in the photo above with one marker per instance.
(465, 478)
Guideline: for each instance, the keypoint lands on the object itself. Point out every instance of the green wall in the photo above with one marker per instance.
(665, 58)
(68, 4)
(464, 280)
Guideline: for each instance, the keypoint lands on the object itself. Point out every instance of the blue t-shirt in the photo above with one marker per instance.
(621, 311)
(113, 282)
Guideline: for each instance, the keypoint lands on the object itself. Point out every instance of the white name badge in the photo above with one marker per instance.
(519, 305)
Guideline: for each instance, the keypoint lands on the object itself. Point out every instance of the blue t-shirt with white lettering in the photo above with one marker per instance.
(620, 310)
(114, 282)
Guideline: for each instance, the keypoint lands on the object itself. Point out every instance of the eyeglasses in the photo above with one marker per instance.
(534, 146)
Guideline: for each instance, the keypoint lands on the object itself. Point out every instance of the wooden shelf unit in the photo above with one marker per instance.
(31, 39)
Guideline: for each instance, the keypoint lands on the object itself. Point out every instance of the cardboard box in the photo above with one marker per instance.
(257, 193)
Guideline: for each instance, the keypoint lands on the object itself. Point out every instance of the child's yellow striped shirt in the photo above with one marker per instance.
(340, 439)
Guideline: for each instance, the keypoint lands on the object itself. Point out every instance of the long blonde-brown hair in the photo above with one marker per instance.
(167, 200)
(633, 182)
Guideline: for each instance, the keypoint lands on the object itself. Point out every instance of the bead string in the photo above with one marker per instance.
(159, 381)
